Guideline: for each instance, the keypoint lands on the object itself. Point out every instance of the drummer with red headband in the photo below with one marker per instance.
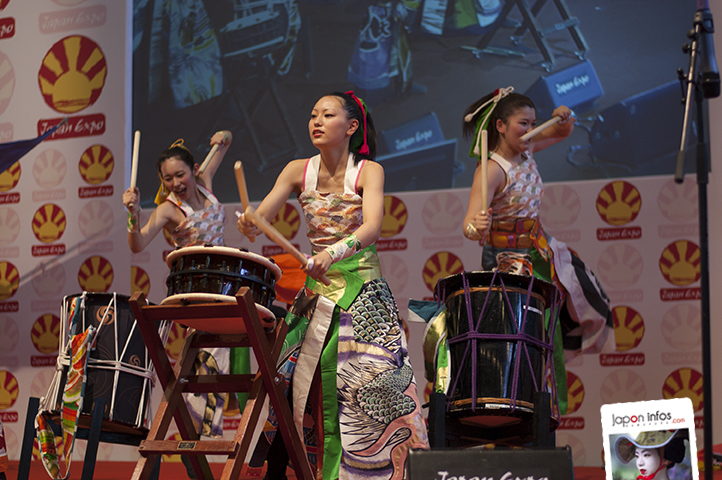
(347, 334)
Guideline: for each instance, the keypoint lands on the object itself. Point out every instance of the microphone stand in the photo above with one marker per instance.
(702, 166)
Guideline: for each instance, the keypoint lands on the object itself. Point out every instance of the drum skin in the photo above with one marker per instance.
(221, 271)
(495, 358)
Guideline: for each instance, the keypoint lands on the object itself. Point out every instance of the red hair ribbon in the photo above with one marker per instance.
(364, 150)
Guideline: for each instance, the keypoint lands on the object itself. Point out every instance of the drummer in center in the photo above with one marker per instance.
(189, 212)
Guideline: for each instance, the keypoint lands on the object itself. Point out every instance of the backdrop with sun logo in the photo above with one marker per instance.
(61, 217)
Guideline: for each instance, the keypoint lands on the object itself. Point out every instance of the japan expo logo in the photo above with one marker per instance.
(685, 382)
(395, 216)
(9, 280)
(96, 219)
(45, 333)
(575, 392)
(678, 202)
(48, 279)
(560, 207)
(9, 334)
(9, 225)
(287, 221)
(620, 265)
(72, 74)
(95, 274)
(96, 164)
(441, 265)
(49, 169)
(680, 263)
(176, 339)
(49, 223)
(139, 280)
(628, 328)
(10, 177)
(618, 203)
(443, 213)
(681, 327)
(623, 386)
(7, 82)
(9, 389)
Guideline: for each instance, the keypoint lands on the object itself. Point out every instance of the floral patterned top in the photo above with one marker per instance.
(202, 227)
(523, 191)
(331, 216)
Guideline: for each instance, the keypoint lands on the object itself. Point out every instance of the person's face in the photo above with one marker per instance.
(647, 460)
(329, 125)
(520, 122)
(178, 177)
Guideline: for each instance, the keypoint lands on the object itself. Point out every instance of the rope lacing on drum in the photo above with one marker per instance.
(522, 340)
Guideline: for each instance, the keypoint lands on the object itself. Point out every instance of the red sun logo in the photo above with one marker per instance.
(49, 169)
(623, 386)
(139, 280)
(7, 80)
(443, 213)
(440, 265)
(678, 202)
(575, 393)
(628, 327)
(9, 225)
(45, 333)
(10, 177)
(681, 327)
(560, 207)
(9, 334)
(9, 390)
(395, 216)
(619, 202)
(95, 274)
(49, 223)
(287, 221)
(96, 220)
(680, 263)
(685, 382)
(9, 280)
(72, 74)
(620, 265)
(96, 164)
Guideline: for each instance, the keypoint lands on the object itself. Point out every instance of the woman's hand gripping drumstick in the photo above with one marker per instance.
(242, 191)
(540, 128)
(134, 167)
(281, 241)
(561, 114)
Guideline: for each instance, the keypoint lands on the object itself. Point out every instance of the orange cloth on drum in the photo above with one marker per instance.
(292, 279)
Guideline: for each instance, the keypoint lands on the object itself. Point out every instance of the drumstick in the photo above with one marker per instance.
(280, 240)
(541, 127)
(205, 163)
(242, 189)
(134, 163)
(484, 173)
(241, 182)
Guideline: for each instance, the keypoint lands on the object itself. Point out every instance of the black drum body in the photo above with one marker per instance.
(119, 369)
(221, 271)
(498, 348)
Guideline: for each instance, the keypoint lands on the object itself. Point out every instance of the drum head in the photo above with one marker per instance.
(453, 283)
(221, 251)
(217, 325)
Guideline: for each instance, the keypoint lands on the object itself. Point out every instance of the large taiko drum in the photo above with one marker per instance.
(212, 274)
(499, 351)
(119, 369)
